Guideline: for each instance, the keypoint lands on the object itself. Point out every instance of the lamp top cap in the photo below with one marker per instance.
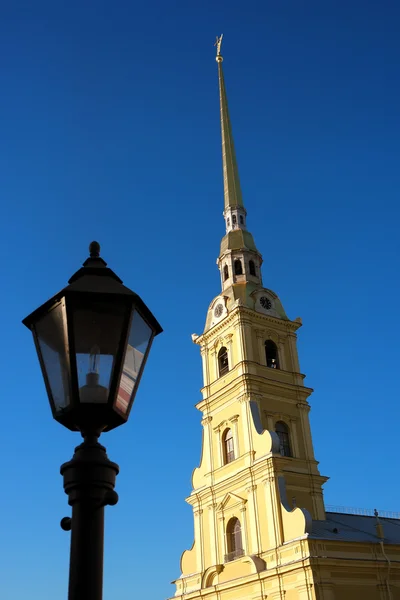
(94, 277)
(94, 249)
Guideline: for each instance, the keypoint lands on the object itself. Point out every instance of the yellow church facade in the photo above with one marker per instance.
(260, 526)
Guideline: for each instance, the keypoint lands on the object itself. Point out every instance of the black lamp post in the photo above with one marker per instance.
(93, 339)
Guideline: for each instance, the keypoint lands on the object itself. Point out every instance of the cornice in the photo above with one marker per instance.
(291, 326)
(303, 406)
(207, 336)
(230, 391)
(242, 380)
(242, 310)
(249, 476)
(280, 415)
(254, 578)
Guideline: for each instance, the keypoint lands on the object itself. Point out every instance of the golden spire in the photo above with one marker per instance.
(232, 191)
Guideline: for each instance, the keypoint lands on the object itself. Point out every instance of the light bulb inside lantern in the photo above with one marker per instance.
(93, 391)
(94, 360)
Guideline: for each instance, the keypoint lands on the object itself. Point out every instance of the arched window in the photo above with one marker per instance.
(252, 267)
(234, 220)
(241, 219)
(284, 440)
(271, 354)
(238, 267)
(226, 272)
(228, 447)
(228, 222)
(234, 540)
(223, 364)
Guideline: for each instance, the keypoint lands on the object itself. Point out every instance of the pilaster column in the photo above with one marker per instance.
(223, 549)
(219, 453)
(245, 529)
(204, 362)
(384, 591)
(304, 592)
(282, 354)
(254, 534)
(318, 504)
(234, 421)
(274, 516)
(213, 363)
(270, 422)
(248, 342)
(198, 536)
(260, 335)
(207, 443)
(213, 533)
(293, 352)
(229, 346)
(316, 494)
(244, 407)
(304, 409)
(294, 438)
(240, 348)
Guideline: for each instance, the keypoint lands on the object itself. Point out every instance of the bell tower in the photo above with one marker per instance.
(258, 486)
(260, 526)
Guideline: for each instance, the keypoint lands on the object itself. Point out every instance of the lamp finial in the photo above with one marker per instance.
(94, 249)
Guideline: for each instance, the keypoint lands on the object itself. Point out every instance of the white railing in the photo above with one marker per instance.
(367, 512)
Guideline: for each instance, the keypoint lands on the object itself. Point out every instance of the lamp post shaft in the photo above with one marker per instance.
(86, 559)
(89, 480)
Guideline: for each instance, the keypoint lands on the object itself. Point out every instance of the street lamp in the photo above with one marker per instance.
(92, 339)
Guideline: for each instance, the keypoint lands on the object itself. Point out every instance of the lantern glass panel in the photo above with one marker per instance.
(139, 339)
(53, 352)
(98, 331)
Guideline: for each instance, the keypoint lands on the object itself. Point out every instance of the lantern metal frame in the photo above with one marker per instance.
(94, 283)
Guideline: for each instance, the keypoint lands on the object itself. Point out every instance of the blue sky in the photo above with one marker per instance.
(110, 131)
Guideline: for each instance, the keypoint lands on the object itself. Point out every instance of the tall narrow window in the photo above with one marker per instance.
(228, 222)
(241, 219)
(284, 440)
(271, 354)
(226, 272)
(234, 220)
(223, 364)
(228, 447)
(252, 267)
(234, 540)
(238, 267)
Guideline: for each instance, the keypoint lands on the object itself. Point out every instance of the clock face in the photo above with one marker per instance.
(265, 302)
(218, 310)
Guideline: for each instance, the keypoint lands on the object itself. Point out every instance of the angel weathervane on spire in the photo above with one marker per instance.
(218, 43)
